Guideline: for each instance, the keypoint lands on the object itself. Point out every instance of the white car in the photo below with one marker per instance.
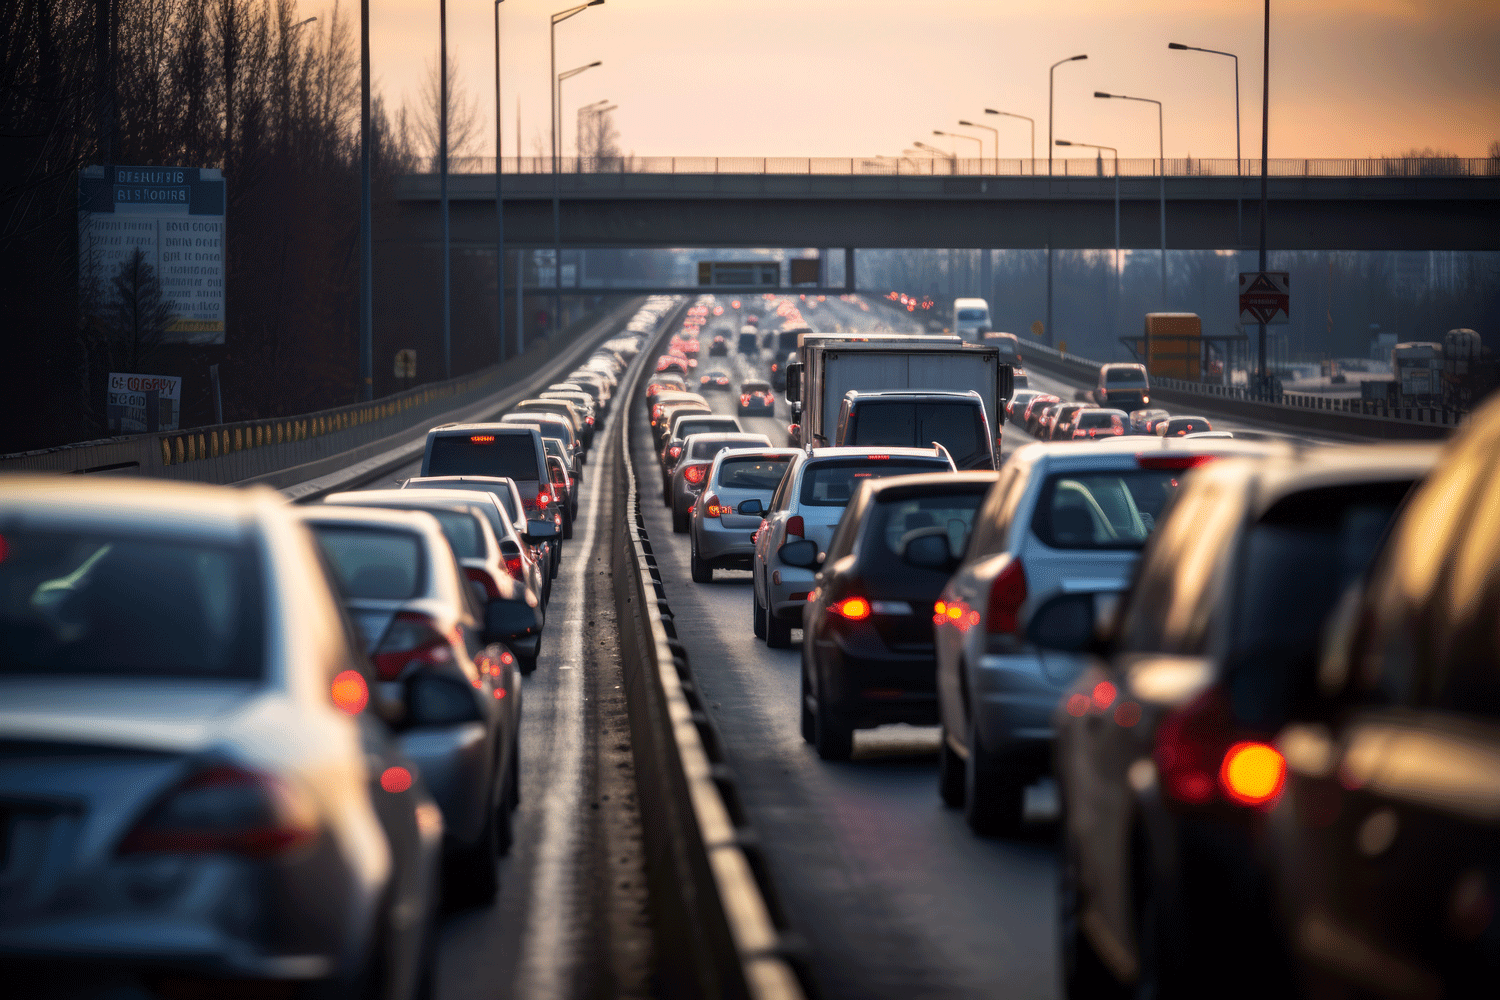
(807, 505)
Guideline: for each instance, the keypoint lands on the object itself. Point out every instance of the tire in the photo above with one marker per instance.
(778, 632)
(808, 720)
(472, 875)
(702, 572)
(759, 625)
(680, 522)
(528, 663)
(1083, 973)
(568, 525)
(504, 831)
(950, 774)
(994, 798)
(833, 733)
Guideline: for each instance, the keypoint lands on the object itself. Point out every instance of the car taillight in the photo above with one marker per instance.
(1199, 757)
(695, 473)
(1252, 774)
(589, 421)
(516, 569)
(483, 578)
(775, 367)
(723, 381)
(745, 399)
(543, 498)
(1007, 594)
(712, 507)
(1172, 462)
(412, 638)
(855, 609)
(226, 809)
(675, 450)
(794, 525)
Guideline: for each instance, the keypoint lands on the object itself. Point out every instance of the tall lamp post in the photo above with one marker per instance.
(1051, 75)
(972, 138)
(585, 110)
(1239, 201)
(1161, 173)
(951, 158)
(1265, 131)
(557, 233)
(500, 208)
(993, 131)
(552, 83)
(443, 186)
(366, 270)
(1031, 122)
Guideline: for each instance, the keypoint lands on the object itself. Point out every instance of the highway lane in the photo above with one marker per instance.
(892, 894)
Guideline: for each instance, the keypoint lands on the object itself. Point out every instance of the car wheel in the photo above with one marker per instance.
(1084, 974)
(473, 873)
(568, 525)
(808, 721)
(833, 733)
(759, 624)
(528, 663)
(778, 632)
(950, 773)
(993, 797)
(702, 572)
(680, 522)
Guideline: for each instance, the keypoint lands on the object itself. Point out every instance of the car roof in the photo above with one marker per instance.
(928, 484)
(1121, 452)
(491, 428)
(817, 454)
(410, 498)
(373, 517)
(969, 394)
(1296, 470)
(720, 436)
(502, 482)
(156, 506)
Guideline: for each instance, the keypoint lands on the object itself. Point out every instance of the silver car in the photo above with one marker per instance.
(807, 505)
(1059, 519)
(538, 549)
(691, 469)
(414, 608)
(197, 782)
(721, 537)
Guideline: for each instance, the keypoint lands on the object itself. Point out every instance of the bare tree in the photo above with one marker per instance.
(419, 128)
(598, 138)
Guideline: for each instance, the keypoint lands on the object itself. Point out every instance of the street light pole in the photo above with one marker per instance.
(443, 185)
(366, 269)
(993, 131)
(1051, 75)
(557, 231)
(951, 158)
(1031, 122)
(1116, 152)
(971, 138)
(1239, 200)
(1161, 173)
(552, 85)
(1265, 131)
(499, 203)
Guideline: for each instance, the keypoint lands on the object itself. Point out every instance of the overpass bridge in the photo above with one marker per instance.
(1395, 204)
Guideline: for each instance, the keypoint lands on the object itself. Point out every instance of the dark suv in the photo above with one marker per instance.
(915, 419)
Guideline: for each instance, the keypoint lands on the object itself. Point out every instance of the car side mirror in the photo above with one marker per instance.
(1073, 623)
(751, 508)
(927, 548)
(436, 700)
(540, 531)
(794, 435)
(803, 554)
(507, 620)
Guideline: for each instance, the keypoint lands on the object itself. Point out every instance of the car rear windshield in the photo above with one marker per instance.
(1124, 376)
(755, 387)
(893, 520)
(483, 454)
(708, 448)
(958, 425)
(1102, 510)
(373, 564)
(461, 528)
(507, 500)
(1096, 418)
(973, 316)
(129, 606)
(831, 483)
(687, 427)
(752, 473)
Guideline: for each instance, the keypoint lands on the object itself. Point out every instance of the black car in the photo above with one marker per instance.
(867, 647)
(756, 397)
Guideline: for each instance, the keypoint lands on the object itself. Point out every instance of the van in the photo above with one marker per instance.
(508, 450)
(971, 319)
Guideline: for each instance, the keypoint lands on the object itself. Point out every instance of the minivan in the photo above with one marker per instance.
(915, 419)
(508, 450)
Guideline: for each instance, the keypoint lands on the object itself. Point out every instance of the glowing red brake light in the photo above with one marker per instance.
(1007, 594)
(543, 498)
(1252, 773)
(226, 809)
(745, 399)
(695, 473)
(514, 567)
(1169, 462)
(878, 458)
(712, 507)
(1189, 744)
(856, 609)
(412, 638)
(675, 450)
(482, 439)
(794, 525)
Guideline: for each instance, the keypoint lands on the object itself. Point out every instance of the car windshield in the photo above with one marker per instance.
(1102, 510)
(752, 473)
(832, 483)
(958, 425)
(483, 454)
(972, 316)
(130, 606)
(371, 563)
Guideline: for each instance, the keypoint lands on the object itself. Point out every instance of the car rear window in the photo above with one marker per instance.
(686, 427)
(712, 446)
(1183, 426)
(507, 501)
(1124, 376)
(752, 473)
(1097, 418)
(973, 316)
(129, 606)
(908, 424)
(461, 528)
(483, 454)
(894, 519)
(373, 564)
(1102, 510)
(832, 483)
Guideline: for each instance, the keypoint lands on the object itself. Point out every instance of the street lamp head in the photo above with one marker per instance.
(597, 62)
(991, 111)
(1177, 45)
(969, 124)
(1074, 59)
(1100, 93)
(936, 132)
(1063, 142)
(594, 3)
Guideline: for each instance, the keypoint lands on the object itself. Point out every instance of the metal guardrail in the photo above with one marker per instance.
(711, 897)
(979, 167)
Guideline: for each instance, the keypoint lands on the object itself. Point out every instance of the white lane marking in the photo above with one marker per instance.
(550, 939)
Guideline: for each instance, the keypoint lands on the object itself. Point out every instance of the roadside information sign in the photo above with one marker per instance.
(135, 404)
(1265, 297)
(175, 217)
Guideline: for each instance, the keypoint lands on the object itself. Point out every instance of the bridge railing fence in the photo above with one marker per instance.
(976, 167)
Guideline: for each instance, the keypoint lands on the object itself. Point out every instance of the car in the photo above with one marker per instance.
(596, 391)
(778, 371)
(736, 493)
(557, 448)
(1061, 427)
(867, 653)
(1031, 414)
(1015, 406)
(1164, 786)
(917, 418)
(691, 470)
(749, 340)
(714, 381)
(672, 363)
(492, 449)
(550, 425)
(667, 396)
(1060, 518)
(756, 397)
(203, 759)
(1182, 426)
(1092, 424)
(1045, 419)
(1385, 830)
(662, 381)
(684, 425)
(583, 428)
(719, 347)
(1144, 421)
(417, 612)
(808, 505)
(562, 488)
(582, 402)
(466, 518)
(537, 550)
(1123, 386)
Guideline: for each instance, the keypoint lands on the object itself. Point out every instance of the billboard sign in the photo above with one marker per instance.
(1265, 297)
(175, 217)
(739, 272)
(135, 404)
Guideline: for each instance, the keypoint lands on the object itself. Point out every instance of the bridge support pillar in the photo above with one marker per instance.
(849, 269)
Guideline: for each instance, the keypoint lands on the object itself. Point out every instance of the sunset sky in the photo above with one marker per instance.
(1349, 78)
